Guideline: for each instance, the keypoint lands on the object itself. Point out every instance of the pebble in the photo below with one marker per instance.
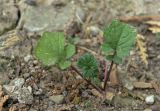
(16, 90)
(150, 99)
(129, 86)
(38, 92)
(24, 95)
(58, 99)
(94, 31)
(27, 58)
(148, 109)
(17, 82)
(26, 75)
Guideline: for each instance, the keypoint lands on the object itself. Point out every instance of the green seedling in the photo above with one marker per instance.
(119, 40)
(52, 49)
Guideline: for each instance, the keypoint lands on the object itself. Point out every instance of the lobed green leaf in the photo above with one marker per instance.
(89, 66)
(50, 50)
(119, 39)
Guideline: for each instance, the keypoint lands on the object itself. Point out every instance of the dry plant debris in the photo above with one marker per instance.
(141, 44)
(142, 85)
(139, 18)
(3, 99)
(154, 26)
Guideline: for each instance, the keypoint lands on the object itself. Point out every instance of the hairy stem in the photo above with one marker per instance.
(108, 75)
(89, 82)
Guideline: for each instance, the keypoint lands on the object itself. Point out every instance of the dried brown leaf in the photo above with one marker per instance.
(154, 29)
(2, 101)
(141, 44)
(154, 23)
(154, 26)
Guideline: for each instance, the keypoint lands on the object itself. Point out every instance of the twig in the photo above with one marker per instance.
(108, 75)
(140, 18)
(97, 88)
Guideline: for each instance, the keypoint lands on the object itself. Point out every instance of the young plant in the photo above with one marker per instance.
(119, 39)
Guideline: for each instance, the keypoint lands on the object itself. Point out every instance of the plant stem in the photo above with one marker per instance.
(105, 71)
(89, 82)
(108, 75)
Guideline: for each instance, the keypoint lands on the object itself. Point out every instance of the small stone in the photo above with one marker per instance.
(148, 109)
(26, 75)
(27, 58)
(150, 99)
(25, 96)
(32, 109)
(38, 92)
(65, 93)
(17, 82)
(129, 86)
(35, 62)
(93, 31)
(8, 88)
(30, 89)
(58, 99)
(78, 77)
(158, 56)
(110, 96)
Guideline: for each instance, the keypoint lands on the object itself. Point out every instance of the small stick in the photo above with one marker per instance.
(139, 18)
(97, 88)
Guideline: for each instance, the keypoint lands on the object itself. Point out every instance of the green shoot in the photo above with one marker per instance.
(119, 40)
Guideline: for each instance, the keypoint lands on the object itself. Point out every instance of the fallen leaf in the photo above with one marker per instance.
(154, 29)
(155, 23)
(155, 26)
(142, 85)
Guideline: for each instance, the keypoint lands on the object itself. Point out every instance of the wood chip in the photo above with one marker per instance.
(142, 85)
